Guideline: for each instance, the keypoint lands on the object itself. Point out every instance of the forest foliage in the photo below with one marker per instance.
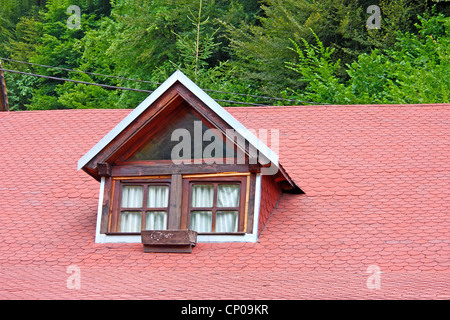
(243, 52)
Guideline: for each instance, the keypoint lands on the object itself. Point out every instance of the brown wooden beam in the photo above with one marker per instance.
(4, 104)
(104, 169)
(142, 170)
(176, 189)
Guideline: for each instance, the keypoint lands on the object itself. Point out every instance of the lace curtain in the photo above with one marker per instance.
(132, 197)
(158, 197)
(203, 197)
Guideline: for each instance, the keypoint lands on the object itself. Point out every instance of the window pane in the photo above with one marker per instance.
(202, 196)
(228, 195)
(226, 221)
(160, 144)
(130, 221)
(201, 221)
(156, 220)
(132, 196)
(158, 196)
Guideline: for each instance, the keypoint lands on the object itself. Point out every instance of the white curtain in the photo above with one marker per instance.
(156, 220)
(132, 196)
(201, 221)
(228, 195)
(202, 196)
(226, 221)
(158, 196)
(130, 221)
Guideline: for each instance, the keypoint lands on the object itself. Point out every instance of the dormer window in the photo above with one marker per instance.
(179, 161)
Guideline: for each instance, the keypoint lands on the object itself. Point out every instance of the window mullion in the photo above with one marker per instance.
(144, 206)
(213, 227)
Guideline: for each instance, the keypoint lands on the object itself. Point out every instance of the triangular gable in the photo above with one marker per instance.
(198, 93)
(174, 92)
(158, 143)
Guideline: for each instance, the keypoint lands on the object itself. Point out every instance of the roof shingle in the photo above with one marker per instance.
(377, 192)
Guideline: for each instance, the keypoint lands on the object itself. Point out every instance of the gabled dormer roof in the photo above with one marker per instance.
(191, 93)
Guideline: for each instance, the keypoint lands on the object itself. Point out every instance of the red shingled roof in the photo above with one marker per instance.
(377, 192)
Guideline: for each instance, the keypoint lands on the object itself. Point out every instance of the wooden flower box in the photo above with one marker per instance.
(169, 240)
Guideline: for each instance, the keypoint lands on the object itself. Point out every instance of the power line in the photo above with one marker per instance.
(79, 71)
(76, 81)
(107, 86)
(158, 83)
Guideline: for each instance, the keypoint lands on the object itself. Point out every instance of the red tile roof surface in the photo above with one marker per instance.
(377, 192)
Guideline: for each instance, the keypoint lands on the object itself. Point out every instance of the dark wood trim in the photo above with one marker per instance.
(203, 161)
(176, 187)
(168, 169)
(146, 133)
(251, 203)
(187, 195)
(201, 107)
(179, 206)
(107, 196)
(104, 169)
(117, 209)
(113, 221)
(170, 97)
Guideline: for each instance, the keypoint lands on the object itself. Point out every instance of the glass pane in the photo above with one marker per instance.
(156, 220)
(160, 144)
(201, 221)
(202, 196)
(226, 221)
(158, 196)
(130, 221)
(132, 196)
(228, 195)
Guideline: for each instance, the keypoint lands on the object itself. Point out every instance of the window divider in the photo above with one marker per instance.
(213, 226)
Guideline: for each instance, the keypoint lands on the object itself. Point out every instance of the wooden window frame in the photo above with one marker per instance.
(178, 217)
(114, 219)
(242, 180)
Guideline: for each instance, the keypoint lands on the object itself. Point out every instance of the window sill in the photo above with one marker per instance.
(200, 233)
(221, 233)
(123, 233)
(201, 238)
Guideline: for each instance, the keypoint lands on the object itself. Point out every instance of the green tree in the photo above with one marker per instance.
(318, 72)
(58, 46)
(260, 50)
(415, 70)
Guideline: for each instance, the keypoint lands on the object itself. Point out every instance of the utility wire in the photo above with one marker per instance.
(79, 71)
(76, 81)
(108, 86)
(158, 83)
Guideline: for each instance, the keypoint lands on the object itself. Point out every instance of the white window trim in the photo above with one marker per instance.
(251, 237)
